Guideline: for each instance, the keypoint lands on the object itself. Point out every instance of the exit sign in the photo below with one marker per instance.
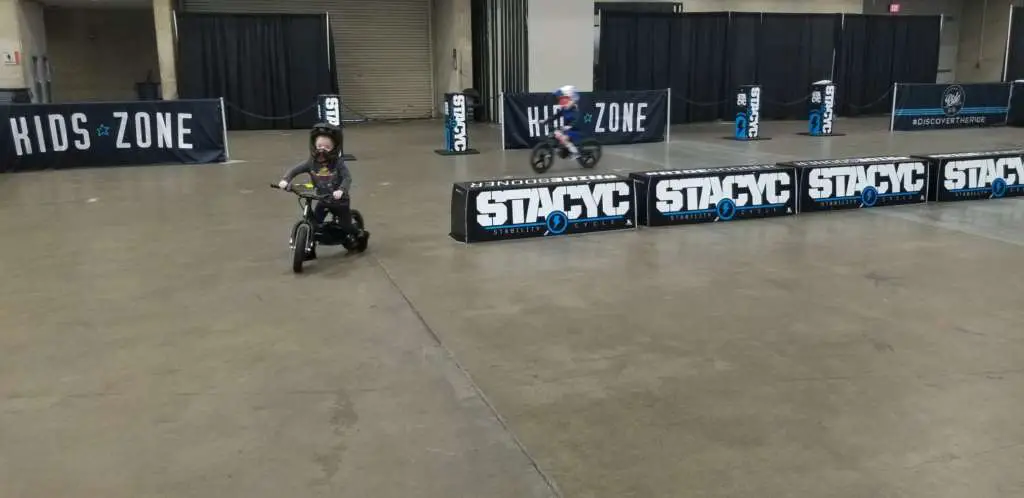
(894, 8)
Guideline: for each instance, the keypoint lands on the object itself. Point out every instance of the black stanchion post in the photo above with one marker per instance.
(822, 113)
(748, 114)
(328, 109)
(456, 133)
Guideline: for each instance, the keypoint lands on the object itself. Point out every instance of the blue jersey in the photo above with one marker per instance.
(568, 116)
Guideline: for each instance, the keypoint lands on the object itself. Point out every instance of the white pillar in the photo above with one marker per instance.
(561, 44)
(163, 22)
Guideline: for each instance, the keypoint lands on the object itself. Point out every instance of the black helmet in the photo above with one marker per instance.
(325, 130)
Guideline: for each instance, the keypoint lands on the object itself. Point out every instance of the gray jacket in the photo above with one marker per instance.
(326, 179)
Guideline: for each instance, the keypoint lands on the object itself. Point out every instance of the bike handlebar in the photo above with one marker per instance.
(304, 195)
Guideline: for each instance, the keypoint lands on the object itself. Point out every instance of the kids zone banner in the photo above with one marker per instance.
(41, 136)
(621, 117)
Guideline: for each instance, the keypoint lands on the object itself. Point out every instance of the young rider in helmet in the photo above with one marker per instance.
(329, 175)
(566, 134)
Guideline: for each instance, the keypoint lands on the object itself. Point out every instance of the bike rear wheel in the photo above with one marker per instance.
(590, 153)
(357, 220)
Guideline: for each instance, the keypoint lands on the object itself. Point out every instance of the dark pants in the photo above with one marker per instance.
(342, 213)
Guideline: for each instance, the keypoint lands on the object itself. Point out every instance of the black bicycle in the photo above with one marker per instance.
(543, 155)
(307, 233)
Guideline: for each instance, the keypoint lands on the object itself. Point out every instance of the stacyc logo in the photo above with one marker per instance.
(868, 185)
(986, 177)
(722, 198)
(554, 210)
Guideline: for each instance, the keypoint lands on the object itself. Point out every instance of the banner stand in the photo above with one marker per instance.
(501, 117)
(456, 127)
(224, 130)
(668, 118)
(328, 109)
(892, 113)
(748, 115)
(821, 115)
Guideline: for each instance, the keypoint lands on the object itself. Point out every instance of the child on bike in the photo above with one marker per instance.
(331, 178)
(568, 110)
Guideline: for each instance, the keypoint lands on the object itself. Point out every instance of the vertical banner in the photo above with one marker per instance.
(328, 110)
(618, 117)
(748, 114)
(456, 133)
(821, 115)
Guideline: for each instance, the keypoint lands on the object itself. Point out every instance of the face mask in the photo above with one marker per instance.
(321, 153)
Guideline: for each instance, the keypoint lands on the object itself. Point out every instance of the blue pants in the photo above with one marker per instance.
(573, 134)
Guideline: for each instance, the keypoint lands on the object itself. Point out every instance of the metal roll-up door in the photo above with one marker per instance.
(382, 48)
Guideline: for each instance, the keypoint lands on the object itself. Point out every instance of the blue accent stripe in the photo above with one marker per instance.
(713, 210)
(936, 111)
(857, 197)
(986, 189)
(541, 224)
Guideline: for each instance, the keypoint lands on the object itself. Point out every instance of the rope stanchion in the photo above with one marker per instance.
(873, 103)
(269, 118)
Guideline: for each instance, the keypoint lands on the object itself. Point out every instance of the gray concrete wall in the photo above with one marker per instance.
(33, 48)
(453, 48)
(11, 76)
(949, 44)
(99, 54)
(983, 41)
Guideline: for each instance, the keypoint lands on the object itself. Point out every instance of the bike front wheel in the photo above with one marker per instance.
(542, 157)
(300, 246)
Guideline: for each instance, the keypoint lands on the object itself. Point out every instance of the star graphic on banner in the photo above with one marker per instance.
(103, 131)
(588, 117)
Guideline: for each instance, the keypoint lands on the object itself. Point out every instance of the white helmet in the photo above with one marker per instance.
(568, 91)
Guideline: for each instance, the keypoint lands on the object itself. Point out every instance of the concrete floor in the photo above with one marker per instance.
(154, 342)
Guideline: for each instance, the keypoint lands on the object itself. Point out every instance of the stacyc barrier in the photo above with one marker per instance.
(493, 210)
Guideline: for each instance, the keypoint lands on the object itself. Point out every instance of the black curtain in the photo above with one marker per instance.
(617, 64)
(651, 51)
(704, 58)
(877, 51)
(268, 68)
(916, 47)
(698, 55)
(481, 58)
(793, 51)
(741, 63)
(1015, 60)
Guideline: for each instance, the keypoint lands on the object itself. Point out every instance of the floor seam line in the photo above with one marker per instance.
(548, 480)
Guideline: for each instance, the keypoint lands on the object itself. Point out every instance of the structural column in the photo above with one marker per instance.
(163, 20)
(557, 28)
